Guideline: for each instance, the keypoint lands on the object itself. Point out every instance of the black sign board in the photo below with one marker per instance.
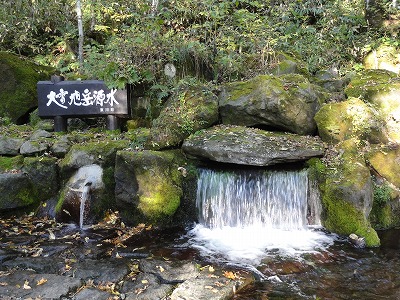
(80, 98)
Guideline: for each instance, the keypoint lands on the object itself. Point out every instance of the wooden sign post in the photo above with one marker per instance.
(59, 99)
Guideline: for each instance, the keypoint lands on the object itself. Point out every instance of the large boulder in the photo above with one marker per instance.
(249, 146)
(16, 191)
(337, 122)
(288, 102)
(381, 89)
(346, 191)
(384, 57)
(18, 86)
(186, 111)
(149, 185)
(10, 145)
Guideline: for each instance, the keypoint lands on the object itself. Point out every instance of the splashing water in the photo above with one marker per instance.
(243, 216)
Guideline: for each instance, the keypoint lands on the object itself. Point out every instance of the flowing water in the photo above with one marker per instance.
(269, 223)
(83, 205)
(247, 216)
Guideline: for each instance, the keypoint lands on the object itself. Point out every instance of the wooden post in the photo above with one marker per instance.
(60, 122)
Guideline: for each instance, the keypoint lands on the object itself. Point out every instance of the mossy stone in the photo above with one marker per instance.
(11, 163)
(18, 82)
(353, 118)
(188, 110)
(346, 191)
(149, 185)
(386, 162)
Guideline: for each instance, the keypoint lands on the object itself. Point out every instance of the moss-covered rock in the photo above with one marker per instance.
(353, 118)
(386, 161)
(249, 146)
(149, 185)
(16, 192)
(385, 57)
(347, 193)
(18, 86)
(11, 163)
(43, 173)
(385, 211)
(101, 153)
(283, 63)
(288, 103)
(188, 110)
(381, 89)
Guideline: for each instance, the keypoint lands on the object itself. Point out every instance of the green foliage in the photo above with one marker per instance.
(382, 194)
(129, 41)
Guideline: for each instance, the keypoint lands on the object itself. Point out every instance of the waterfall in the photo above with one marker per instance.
(276, 199)
(244, 215)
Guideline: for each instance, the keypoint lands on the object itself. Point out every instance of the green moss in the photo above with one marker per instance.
(341, 217)
(26, 197)
(19, 80)
(162, 203)
(10, 163)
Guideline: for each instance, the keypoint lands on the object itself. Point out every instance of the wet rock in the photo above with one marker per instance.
(358, 242)
(247, 146)
(145, 287)
(100, 271)
(208, 288)
(37, 264)
(87, 185)
(28, 284)
(169, 272)
(10, 146)
(92, 293)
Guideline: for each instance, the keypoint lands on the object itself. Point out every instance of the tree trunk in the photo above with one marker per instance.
(80, 34)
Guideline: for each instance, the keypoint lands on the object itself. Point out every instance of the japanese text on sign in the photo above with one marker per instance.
(87, 98)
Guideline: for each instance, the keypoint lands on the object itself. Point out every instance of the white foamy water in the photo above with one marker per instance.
(246, 216)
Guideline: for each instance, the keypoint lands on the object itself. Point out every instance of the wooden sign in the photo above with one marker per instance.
(79, 99)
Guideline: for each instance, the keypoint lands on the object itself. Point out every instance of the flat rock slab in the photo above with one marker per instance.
(250, 146)
(30, 285)
(209, 287)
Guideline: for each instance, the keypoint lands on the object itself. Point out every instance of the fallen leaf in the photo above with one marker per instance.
(26, 285)
(211, 269)
(144, 281)
(3, 283)
(41, 281)
(230, 275)
(160, 268)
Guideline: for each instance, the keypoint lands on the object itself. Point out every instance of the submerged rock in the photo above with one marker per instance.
(249, 146)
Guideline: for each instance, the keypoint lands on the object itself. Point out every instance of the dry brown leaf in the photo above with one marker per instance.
(41, 281)
(230, 275)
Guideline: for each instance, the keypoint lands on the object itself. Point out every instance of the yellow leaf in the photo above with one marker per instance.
(41, 281)
(229, 274)
(211, 269)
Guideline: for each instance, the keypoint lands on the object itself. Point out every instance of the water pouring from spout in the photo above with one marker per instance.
(84, 198)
